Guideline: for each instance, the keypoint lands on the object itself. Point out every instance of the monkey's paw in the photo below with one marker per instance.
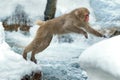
(104, 36)
(86, 35)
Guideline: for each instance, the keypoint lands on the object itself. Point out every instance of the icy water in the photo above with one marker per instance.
(62, 70)
(61, 63)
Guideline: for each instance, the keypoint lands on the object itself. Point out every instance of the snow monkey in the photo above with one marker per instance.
(76, 21)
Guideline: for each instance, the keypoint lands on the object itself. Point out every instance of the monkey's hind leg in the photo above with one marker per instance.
(26, 50)
(33, 57)
(42, 45)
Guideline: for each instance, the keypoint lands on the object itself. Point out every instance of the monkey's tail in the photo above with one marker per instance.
(40, 22)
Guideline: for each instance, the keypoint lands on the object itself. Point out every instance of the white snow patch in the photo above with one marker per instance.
(101, 61)
(12, 65)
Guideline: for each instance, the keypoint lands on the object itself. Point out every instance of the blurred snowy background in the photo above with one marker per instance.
(60, 60)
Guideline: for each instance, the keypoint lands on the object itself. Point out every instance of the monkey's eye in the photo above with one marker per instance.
(87, 15)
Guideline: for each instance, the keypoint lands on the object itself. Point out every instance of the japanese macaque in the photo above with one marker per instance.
(76, 21)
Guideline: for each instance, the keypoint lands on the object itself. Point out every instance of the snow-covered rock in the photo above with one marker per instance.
(12, 65)
(102, 60)
(2, 36)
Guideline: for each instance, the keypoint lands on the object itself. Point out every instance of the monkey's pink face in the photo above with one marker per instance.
(86, 17)
(83, 14)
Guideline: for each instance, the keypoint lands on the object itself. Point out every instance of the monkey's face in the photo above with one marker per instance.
(82, 14)
(86, 17)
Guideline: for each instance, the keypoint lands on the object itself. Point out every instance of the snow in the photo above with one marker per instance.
(103, 58)
(12, 65)
(37, 7)
(60, 60)
(106, 12)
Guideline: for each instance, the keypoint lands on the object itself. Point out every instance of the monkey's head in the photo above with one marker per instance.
(82, 14)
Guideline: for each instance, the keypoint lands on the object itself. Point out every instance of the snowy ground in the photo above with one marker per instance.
(102, 58)
(60, 60)
(12, 65)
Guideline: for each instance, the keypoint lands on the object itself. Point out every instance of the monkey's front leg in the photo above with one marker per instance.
(93, 31)
(83, 32)
(77, 30)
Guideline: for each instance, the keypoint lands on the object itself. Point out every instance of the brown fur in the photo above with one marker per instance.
(40, 22)
(72, 22)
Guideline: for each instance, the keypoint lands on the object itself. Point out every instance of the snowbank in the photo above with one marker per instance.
(12, 65)
(102, 60)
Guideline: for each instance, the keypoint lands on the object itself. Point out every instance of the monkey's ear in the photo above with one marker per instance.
(79, 14)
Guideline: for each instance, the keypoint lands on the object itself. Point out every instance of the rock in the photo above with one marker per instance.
(111, 31)
(34, 76)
